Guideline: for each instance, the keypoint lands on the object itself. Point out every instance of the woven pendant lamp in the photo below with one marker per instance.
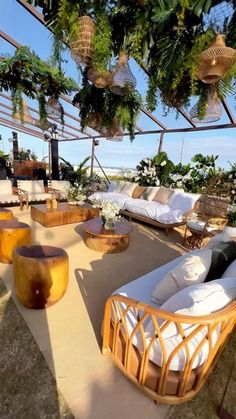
(213, 109)
(82, 45)
(27, 118)
(53, 108)
(215, 61)
(123, 79)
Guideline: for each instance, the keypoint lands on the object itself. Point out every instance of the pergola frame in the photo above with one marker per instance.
(162, 129)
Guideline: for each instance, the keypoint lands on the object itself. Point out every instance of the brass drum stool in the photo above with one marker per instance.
(40, 275)
(12, 234)
(6, 214)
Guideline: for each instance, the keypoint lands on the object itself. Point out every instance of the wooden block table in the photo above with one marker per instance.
(12, 234)
(6, 214)
(96, 237)
(40, 275)
(63, 214)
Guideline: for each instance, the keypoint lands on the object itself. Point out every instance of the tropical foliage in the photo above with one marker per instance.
(154, 171)
(164, 36)
(26, 74)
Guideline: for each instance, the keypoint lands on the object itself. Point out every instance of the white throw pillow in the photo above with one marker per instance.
(128, 188)
(202, 299)
(196, 300)
(192, 269)
(230, 271)
(150, 193)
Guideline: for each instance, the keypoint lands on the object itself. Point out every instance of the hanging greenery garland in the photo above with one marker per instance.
(26, 74)
(167, 37)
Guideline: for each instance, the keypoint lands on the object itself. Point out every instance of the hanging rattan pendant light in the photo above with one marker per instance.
(123, 80)
(213, 109)
(82, 45)
(27, 118)
(54, 109)
(215, 61)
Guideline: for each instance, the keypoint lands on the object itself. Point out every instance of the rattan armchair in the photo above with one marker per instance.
(160, 382)
(207, 219)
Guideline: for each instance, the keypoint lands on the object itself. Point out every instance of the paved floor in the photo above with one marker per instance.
(68, 333)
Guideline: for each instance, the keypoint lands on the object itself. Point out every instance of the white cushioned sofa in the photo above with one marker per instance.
(158, 206)
(168, 348)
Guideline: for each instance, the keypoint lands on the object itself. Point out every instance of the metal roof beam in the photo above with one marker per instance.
(171, 131)
(228, 111)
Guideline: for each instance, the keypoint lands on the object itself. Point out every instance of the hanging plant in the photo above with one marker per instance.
(100, 108)
(25, 74)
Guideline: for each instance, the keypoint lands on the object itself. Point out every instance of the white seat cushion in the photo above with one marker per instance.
(115, 197)
(8, 198)
(199, 225)
(146, 208)
(38, 196)
(170, 217)
(5, 187)
(192, 269)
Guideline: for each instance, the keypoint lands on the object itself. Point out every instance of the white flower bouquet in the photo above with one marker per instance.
(75, 193)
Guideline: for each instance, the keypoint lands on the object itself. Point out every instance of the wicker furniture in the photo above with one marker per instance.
(40, 275)
(206, 220)
(96, 237)
(168, 367)
(160, 383)
(12, 234)
(63, 214)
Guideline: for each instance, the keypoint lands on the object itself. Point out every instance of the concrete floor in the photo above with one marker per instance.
(68, 333)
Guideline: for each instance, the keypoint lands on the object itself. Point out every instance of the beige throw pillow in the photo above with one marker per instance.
(139, 190)
(128, 188)
(163, 195)
(193, 269)
(149, 193)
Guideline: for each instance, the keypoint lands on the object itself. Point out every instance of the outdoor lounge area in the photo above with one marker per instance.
(117, 209)
(69, 333)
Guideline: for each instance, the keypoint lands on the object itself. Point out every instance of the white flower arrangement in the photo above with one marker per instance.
(75, 193)
(109, 210)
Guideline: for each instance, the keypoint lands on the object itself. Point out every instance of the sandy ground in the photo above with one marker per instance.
(68, 333)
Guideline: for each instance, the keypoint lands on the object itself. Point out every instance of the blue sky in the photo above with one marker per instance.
(19, 24)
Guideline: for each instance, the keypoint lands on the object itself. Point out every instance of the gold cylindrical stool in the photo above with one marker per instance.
(40, 275)
(5, 214)
(12, 234)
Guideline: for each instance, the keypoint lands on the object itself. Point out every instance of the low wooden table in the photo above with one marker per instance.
(96, 237)
(63, 214)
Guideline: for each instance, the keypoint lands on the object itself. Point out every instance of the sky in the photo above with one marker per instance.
(21, 26)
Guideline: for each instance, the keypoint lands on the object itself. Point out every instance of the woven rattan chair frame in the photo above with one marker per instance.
(115, 323)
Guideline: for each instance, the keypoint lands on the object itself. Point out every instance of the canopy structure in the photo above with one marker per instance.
(72, 129)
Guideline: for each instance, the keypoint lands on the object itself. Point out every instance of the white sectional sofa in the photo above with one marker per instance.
(169, 349)
(168, 213)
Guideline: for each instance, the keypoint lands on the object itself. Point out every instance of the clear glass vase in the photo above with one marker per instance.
(109, 225)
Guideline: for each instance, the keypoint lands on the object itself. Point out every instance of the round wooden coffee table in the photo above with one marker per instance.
(12, 234)
(96, 237)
